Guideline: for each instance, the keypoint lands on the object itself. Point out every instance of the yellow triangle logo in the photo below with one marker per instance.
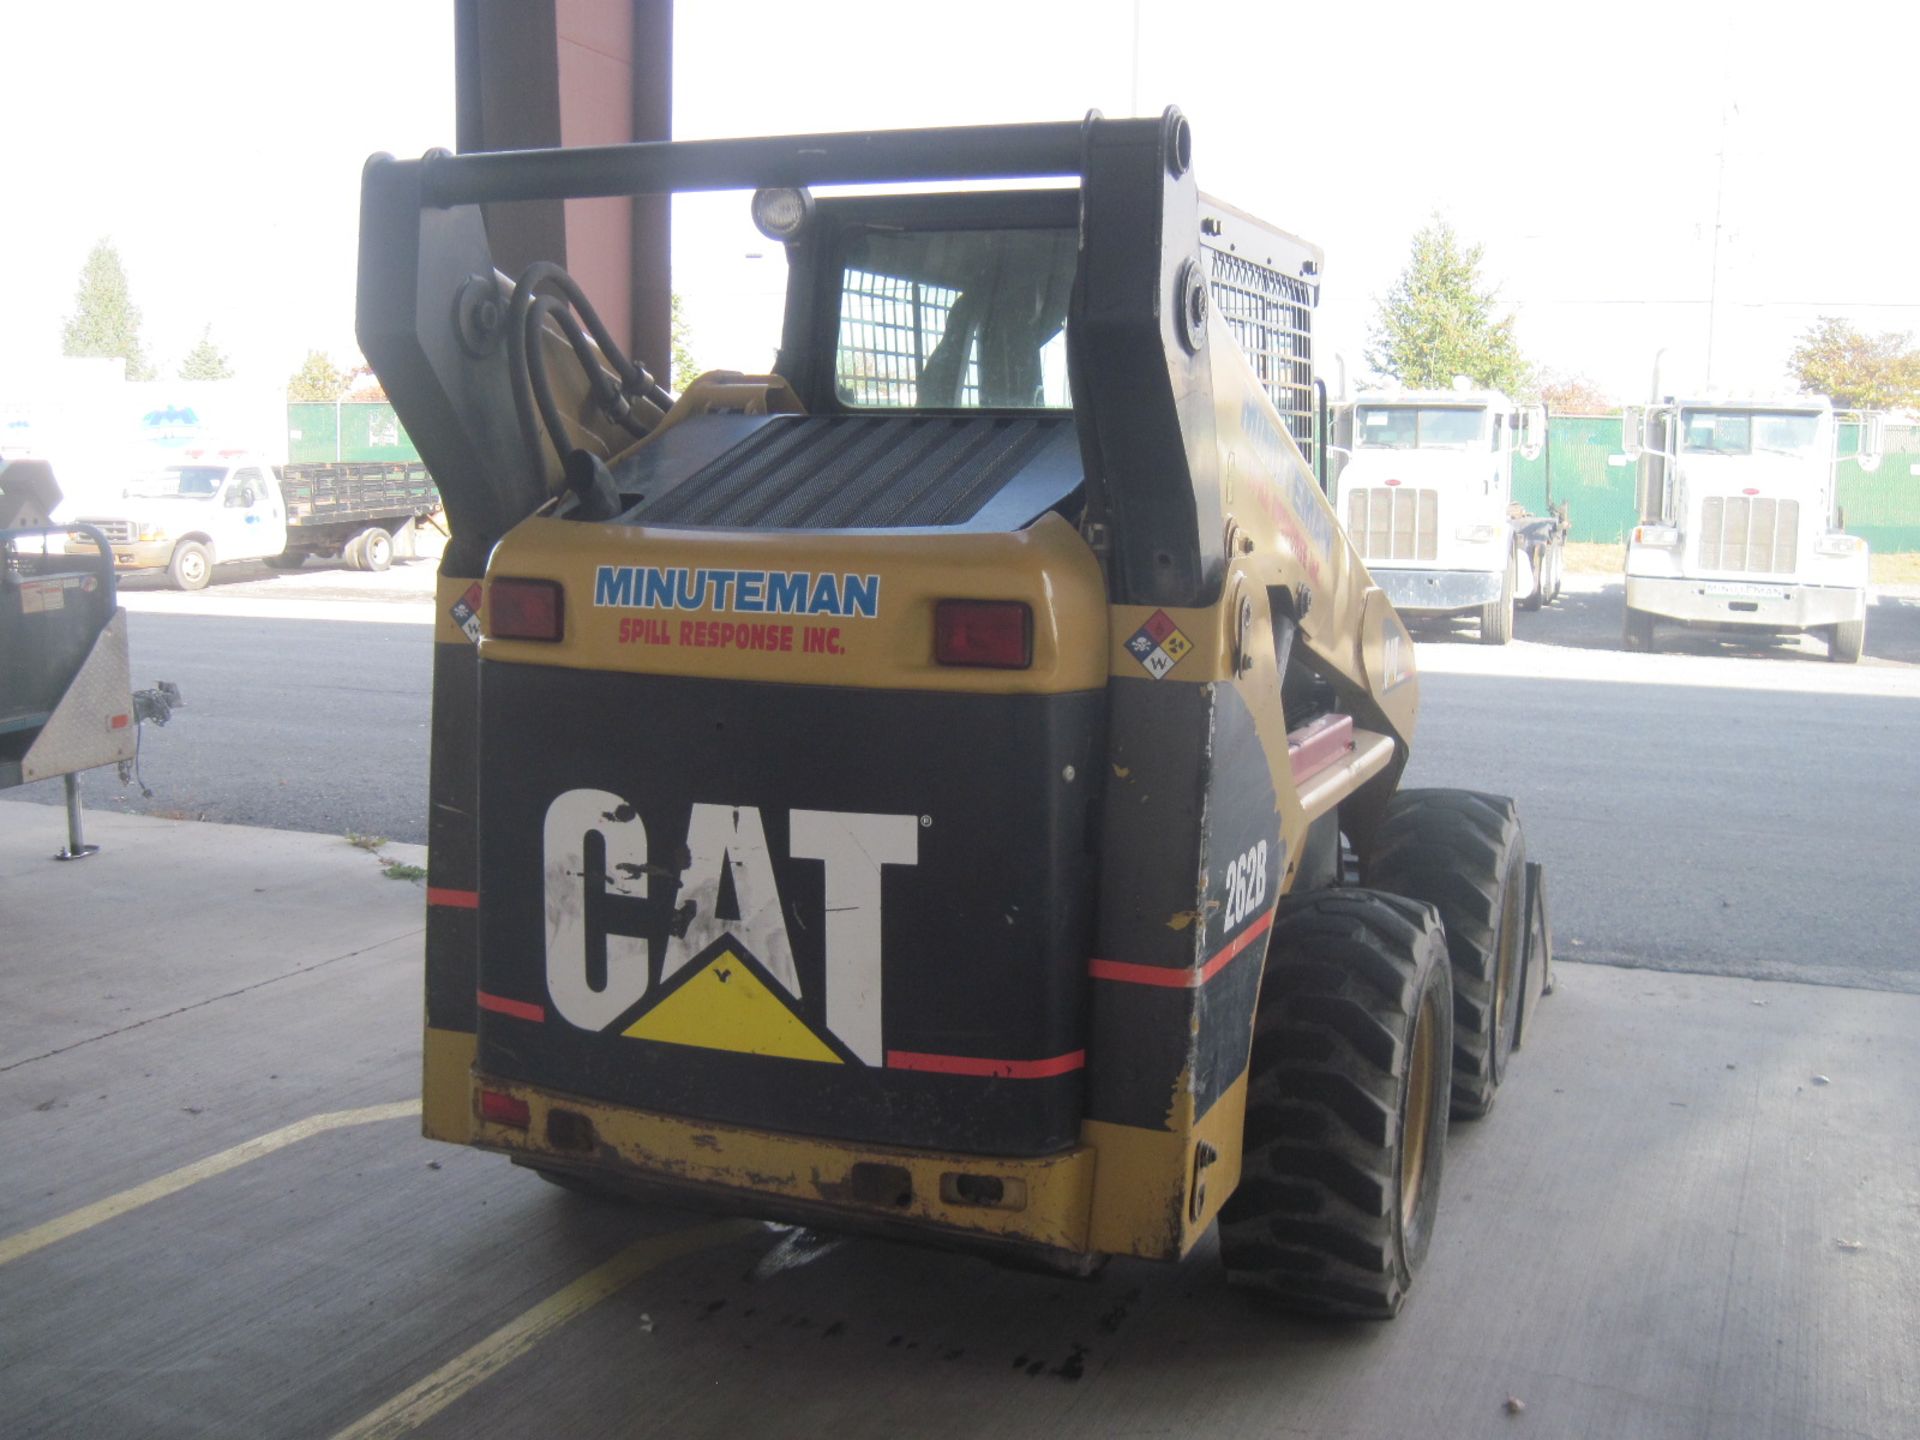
(726, 1006)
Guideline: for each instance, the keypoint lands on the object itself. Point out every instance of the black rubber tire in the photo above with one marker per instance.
(1463, 853)
(351, 554)
(1496, 618)
(191, 566)
(1538, 561)
(289, 560)
(1357, 994)
(376, 548)
(1636, 633)
(1847, 641)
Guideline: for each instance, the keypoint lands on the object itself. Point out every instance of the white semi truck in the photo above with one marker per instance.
(1425, 490)
(1739, 521)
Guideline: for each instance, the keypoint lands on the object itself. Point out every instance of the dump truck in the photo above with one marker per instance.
(1425, 491)
(1739, 522)
(911, 792)
(209, 509)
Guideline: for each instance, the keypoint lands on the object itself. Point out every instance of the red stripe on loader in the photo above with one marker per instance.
(978, 1065)
(1179, 979)
(519, 1009)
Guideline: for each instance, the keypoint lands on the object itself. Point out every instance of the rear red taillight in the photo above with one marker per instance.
(503, 1109)
(525, 610)
(996, 634)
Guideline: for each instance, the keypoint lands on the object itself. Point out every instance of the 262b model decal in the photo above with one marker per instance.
(1246, 886)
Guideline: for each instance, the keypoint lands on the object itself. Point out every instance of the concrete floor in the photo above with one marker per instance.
(1667, 1227)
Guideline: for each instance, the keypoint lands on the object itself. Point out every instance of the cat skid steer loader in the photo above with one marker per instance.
(912, 791)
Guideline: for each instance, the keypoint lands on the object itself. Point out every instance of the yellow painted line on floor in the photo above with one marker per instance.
(420, 1402)
(85, 1218)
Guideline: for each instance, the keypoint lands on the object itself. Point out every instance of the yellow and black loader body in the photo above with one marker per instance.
(862, 795)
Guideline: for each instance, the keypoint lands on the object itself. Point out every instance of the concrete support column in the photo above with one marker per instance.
(537, 73)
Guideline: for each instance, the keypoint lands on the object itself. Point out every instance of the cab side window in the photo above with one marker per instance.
(245, 490)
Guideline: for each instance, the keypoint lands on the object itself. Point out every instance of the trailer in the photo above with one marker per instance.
(67, 702)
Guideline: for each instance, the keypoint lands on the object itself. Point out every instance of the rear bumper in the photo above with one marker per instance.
(1438, 592)
(1041, 1211)
(1770, 604)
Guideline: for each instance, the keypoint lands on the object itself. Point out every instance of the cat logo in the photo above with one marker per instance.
(719, 982)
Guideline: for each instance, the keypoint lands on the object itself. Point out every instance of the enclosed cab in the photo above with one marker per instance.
(1739, 525)
(1425, 490)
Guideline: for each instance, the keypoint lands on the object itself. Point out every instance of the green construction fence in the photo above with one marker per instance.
(1592, 476)
(346, 430)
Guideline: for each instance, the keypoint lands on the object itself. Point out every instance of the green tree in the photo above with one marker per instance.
(685, 368)
(1857, 370)
(318, 378)
(105, 323)
(1438, 321)
(205, 361)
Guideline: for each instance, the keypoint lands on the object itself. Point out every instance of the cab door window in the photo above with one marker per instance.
(245, 490)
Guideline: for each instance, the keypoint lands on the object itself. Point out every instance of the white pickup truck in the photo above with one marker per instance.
(202, 511)
(1425, 490)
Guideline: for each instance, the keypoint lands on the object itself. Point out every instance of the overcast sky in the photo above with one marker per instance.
(220, 144)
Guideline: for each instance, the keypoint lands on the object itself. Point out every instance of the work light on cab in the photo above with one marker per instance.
(783, 213)
(525, 610)
(994, 634)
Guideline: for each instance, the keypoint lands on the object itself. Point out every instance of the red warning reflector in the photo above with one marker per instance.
(1393, 482)
(1749, 491)
(119, 722)
(996, 634)
(525, 610)
(504, 1109)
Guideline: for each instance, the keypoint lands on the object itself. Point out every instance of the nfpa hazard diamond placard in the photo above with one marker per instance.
(1158, 644)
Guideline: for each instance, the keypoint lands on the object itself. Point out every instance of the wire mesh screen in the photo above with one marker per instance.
(888, 328)
(1271, 315)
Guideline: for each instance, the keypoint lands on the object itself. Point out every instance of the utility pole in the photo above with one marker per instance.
(1133, 93)
(1713, 284)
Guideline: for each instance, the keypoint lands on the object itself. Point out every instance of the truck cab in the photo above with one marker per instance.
(187, 516)
(1738, 520)
(1425, 491)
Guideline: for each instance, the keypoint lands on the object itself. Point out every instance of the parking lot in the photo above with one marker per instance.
(1693, 1212)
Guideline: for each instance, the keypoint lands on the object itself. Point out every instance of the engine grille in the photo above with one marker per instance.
(873, 472)
(1739, 532)
(118, 532)
(1394, 523)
